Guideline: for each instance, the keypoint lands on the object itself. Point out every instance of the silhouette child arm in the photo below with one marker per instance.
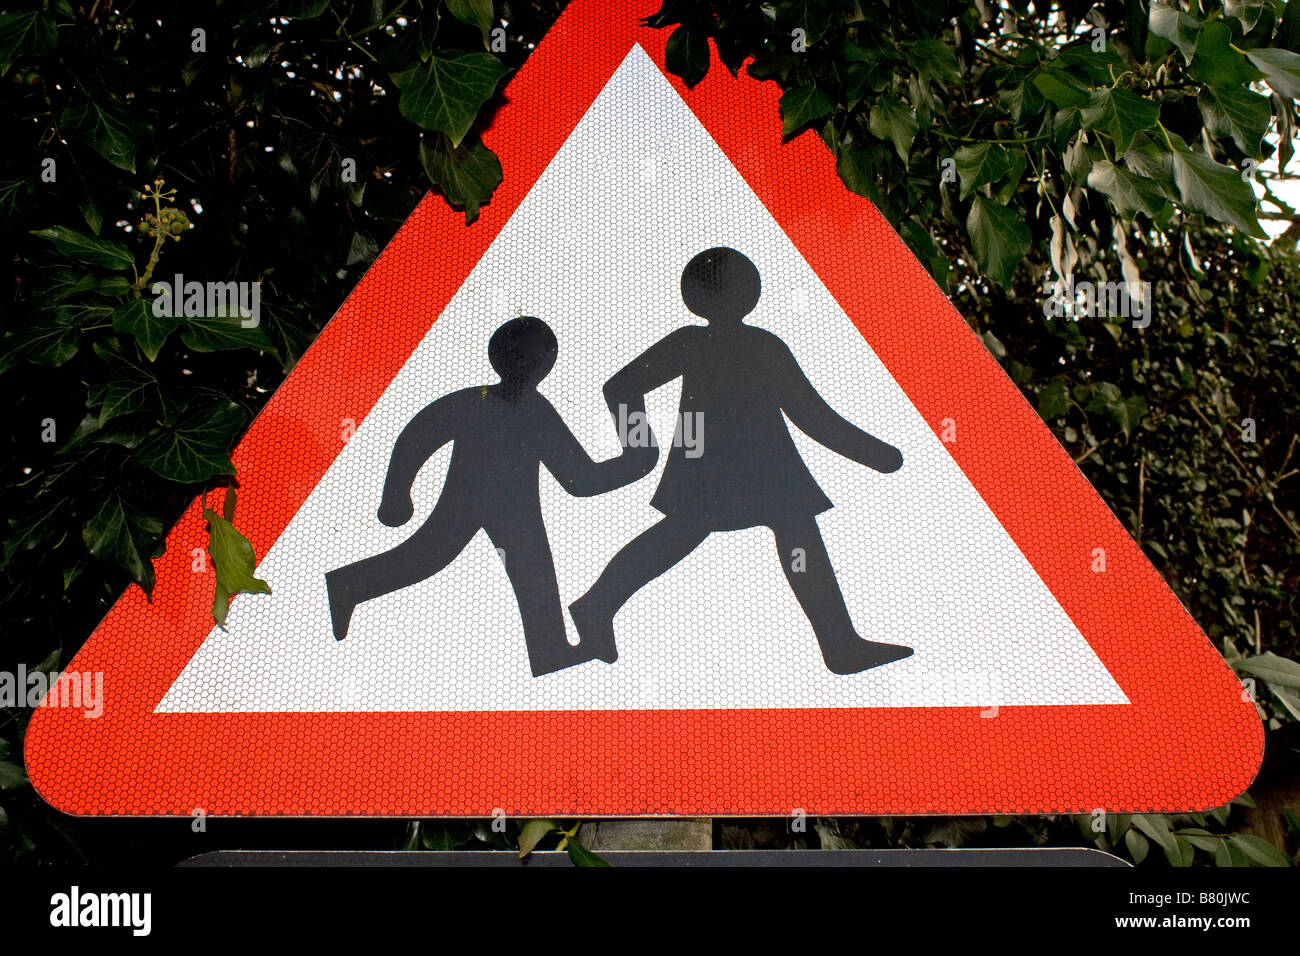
(816, 419)
(662, 362)
(568, 461)
(426, 433)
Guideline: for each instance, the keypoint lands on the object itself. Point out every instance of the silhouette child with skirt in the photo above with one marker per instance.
(501, 434)
(737, 382)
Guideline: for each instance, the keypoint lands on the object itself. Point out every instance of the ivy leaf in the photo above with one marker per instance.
(1178, 28)
(1281, 69)
(687, 55)
(803, 105)
(50, 337)
(1120, 114)
(126, 393)
(136, 318)
(1238, 113)
(1214, 190)
(1247, 11)
(934, 61)
(1129, 192)
(198, 448)
(1100, 65)
(121, 535)
(215, 333)
(468, 174)
(999, 237)
(106, 253)
(893, 120)
(854, 167)
(1148, 158)
(233, 559)
(476, 13)
(1054, 400)
(25, 33)
(980, 164)
(104, 130)
(1061, 89)
(445, 93)
(1217, 61)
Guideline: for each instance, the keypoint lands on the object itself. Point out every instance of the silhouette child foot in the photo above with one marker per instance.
(595, 631)
(340, 608)
(857, 655)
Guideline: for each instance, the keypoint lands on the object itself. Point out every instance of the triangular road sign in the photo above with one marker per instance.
(1027, 657)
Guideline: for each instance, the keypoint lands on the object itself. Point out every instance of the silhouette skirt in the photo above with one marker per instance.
(728, 488)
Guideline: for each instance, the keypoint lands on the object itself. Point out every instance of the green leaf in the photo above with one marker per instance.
(25, 33)
(801, 106)
(1102, 66)
(1120, 114)
(50, 336)
(476, 13)
(136, 318)
(1288, 31)
(1149, 159)
(1271, 668)
(1156, 827)
(933, 60)
(1129, 192)
(106, 253)
(215, 333)
(1238, 113)
(1127, 413)
(105, 130)
(233, 559)
(121, 535)
(468, 174)
(999, 237)
(853, 165)
(977, 165)
(1259, 850)
(579, 855)
(1137, 844)
(198, 448)
(445, 93)
(687, 55)
(128, 391)
(1217, 61)
(1281, 69)
(1178, 28)
(1054, 400)
(532, 833)
(1214, 190)
(893, 120)
(11, 776)
(1058, 87)
(1247, 11)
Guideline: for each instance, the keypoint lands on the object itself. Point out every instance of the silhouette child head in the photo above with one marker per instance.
(720, 285)
(522, 351)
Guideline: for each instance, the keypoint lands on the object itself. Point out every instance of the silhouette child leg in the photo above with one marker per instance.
(526, 552)
(641, 560)
(434, 546)
(808, 568)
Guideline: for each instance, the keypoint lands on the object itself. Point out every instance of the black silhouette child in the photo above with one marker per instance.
(737, 380)
(501, 433)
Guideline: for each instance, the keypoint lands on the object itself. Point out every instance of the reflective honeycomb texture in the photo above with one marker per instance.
(1041, 680)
